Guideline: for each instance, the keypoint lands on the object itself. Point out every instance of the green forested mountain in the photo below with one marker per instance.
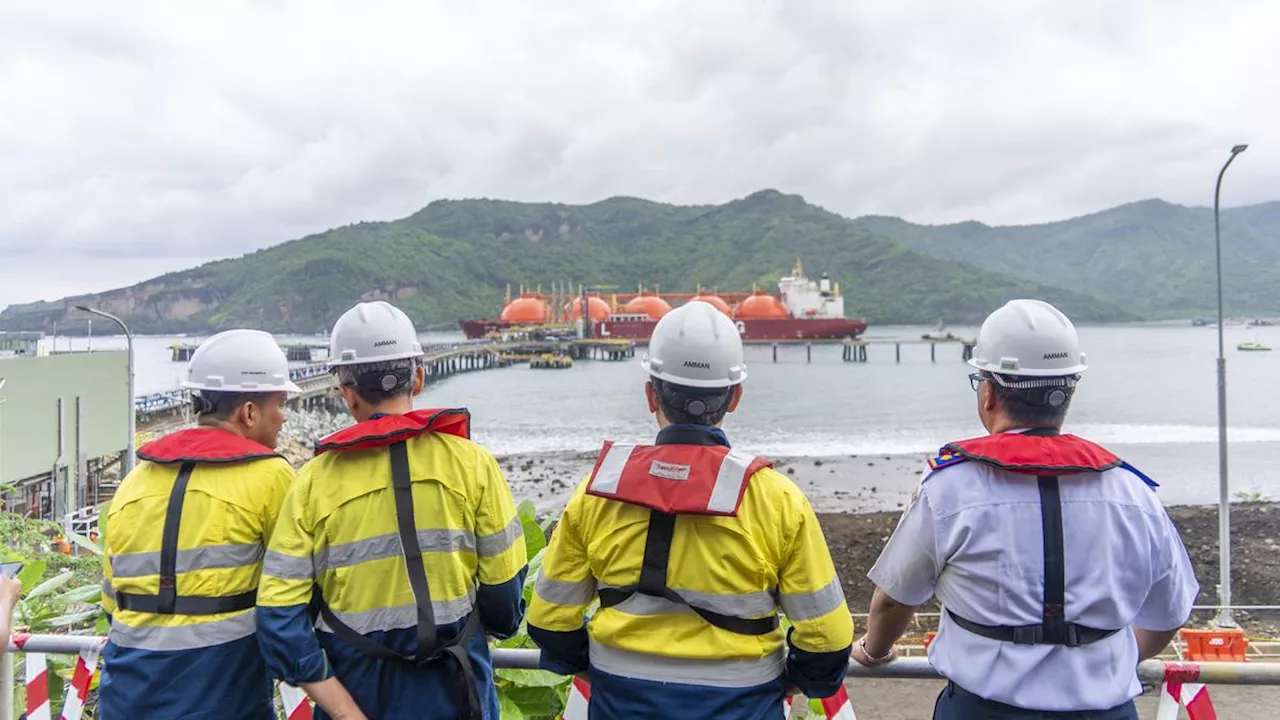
(454, 259)
(1152, 257)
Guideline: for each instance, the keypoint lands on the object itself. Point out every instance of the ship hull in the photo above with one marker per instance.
(758, 331)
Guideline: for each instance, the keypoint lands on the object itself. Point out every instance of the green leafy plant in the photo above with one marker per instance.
(59, 594)
(530, 694)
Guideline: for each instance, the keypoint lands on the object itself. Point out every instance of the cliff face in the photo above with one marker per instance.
(168, 304)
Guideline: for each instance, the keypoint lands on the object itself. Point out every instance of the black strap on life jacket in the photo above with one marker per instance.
(428, 650)
(168, 601)
(653, 581)
(1053, 628)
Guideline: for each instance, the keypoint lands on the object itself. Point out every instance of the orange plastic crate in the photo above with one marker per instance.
(1214, 645)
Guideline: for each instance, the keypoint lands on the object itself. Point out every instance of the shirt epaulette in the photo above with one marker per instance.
(945, 458)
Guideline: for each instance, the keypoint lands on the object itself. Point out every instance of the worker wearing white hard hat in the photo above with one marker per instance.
(407, 533)
(692, 549)
(1057, 566)
(186, 533)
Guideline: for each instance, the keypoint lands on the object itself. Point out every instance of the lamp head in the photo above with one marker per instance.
(82, 307)
(3, 381)
(1239, 149)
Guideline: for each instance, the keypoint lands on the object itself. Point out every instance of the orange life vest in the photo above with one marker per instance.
(673, 480)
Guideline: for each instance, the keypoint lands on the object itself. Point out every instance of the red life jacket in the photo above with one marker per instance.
(1045, 454)
(188, 448)
(204, 445)
(393, 432)
(681, 479)
(390, 429)
(674, 480)
(1030, 454)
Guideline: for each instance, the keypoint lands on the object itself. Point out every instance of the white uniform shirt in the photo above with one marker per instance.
(973, 538)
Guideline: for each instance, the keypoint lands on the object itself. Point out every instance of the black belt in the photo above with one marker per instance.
(653, 581)
(167, 601)
(1053, 628)
(429, 650)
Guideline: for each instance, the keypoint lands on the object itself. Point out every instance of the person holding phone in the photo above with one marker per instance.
(10, 591)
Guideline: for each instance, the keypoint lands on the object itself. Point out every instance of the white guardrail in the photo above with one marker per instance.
(1152, 673)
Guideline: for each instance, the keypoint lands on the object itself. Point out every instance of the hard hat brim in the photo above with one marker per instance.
(1052, 372)
(377, 359)
(688, 382)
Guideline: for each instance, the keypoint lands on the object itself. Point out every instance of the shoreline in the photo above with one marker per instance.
(833, 484)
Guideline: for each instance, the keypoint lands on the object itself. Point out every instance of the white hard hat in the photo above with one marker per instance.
(242, 361)
(373, 332)
(1030, 338)
(696, 345)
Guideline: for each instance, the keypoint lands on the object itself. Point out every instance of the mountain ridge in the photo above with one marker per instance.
(454, 258)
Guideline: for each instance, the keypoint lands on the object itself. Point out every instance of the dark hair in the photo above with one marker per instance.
(378, 382)
(1032, 406)
(679, 402)
(222, 405)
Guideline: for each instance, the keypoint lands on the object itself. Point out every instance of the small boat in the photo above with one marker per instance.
(1253, 347)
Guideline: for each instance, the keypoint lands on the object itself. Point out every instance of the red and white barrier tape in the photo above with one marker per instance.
(836, 707)
(297, 706)
(1180, 690)
(78, 691)
(38, 706)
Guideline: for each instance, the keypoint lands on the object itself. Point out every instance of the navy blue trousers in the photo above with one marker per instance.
(956, 703)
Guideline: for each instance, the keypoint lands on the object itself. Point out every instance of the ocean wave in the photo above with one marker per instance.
(830, 444)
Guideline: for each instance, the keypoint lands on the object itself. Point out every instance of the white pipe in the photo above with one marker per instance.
(1150, 672)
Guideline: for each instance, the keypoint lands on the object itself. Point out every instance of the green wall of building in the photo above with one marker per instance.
(29, 409)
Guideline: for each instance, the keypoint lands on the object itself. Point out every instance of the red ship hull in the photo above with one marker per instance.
(772, 330)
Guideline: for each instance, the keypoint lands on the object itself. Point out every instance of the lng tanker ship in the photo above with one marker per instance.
(801, 310)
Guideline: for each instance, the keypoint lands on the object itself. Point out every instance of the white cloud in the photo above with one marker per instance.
(142, 136)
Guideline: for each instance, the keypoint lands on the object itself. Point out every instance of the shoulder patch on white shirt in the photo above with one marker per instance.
(946, 458)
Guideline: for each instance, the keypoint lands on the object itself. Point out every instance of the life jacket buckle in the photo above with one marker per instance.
(168, 582)
(1028, 635)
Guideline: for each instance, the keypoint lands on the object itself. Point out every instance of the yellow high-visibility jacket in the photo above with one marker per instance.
(770, 556)
(338, 534)
(162, 661)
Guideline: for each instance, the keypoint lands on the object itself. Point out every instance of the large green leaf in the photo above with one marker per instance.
(48, 586)
(84, 542)
(73, 618)
(534, 537)
(508, 709)
(531, 678)
(84, 593)
(31, 574)
(541, 702)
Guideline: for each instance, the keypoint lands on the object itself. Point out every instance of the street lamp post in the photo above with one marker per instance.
(1224, 618)
(3, 382)
(133, 414)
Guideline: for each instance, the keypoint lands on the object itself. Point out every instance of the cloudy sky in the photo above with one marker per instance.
(138, 137)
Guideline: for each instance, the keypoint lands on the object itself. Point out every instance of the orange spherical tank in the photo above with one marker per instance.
(599, 309)
(651, 305)
(760, 306)
(715, 301)
(526, 310)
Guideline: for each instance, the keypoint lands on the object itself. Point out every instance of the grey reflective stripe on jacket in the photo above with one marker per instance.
(743, 605)
(687, 671)
(192, 636)
(401, 616)
(206, 557)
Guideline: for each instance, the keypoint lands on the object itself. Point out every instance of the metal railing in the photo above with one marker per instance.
(1151, 673)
